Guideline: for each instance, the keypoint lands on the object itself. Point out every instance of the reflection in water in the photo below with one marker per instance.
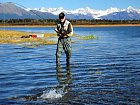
(64, 79)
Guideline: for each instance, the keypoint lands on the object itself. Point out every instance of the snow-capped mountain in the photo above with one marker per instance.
(10, 10)
(80, 11)
(125, 14)
(88, 13)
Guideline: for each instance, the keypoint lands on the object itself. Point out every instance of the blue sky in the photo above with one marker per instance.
(74, 4)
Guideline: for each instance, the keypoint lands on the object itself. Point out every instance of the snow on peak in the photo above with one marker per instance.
(54, 11)
(87, 11)
(111, 10)
(60, 8)
(131, 9)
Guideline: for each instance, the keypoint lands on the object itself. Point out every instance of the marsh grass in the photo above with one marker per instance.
(14, 37)
(88, 37)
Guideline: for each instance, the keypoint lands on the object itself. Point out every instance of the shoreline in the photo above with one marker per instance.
(105, 25)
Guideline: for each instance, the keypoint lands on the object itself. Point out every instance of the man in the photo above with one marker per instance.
(64, 30)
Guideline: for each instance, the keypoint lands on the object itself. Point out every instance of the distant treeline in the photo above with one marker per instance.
(74, 22)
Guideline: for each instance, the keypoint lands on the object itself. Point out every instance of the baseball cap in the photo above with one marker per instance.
(61, 15)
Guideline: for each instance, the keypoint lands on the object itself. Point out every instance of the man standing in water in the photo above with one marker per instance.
(64, 30)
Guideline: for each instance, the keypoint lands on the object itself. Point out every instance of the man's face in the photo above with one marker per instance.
(62, 20)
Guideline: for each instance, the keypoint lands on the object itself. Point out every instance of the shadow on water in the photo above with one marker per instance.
(53, 94)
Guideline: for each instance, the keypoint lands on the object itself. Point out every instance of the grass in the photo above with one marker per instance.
(14, 37)
(88, 37)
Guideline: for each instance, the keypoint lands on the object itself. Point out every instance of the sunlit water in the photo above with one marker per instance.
(105, 70)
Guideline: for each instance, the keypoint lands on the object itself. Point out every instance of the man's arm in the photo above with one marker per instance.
(57, 30)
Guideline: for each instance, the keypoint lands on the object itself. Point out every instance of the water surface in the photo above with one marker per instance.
(102, 71)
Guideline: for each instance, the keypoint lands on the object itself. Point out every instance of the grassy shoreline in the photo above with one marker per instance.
(21, 37)
(104, 25)
(15, 37)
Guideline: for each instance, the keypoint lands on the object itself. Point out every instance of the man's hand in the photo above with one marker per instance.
(64, 33)
(58, 33)
(56, 30)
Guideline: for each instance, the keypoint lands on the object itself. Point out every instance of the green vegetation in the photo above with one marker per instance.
(44, 22)
(88, 37)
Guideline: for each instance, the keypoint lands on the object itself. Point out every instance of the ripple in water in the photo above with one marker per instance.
(104, 71)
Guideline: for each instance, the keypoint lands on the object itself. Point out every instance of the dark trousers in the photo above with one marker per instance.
(63, 44)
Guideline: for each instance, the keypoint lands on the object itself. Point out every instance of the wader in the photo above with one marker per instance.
(63, 44)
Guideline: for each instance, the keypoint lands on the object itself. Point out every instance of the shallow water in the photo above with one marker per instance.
(102, 71)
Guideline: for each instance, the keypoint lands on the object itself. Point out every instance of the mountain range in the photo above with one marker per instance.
(11, 10)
